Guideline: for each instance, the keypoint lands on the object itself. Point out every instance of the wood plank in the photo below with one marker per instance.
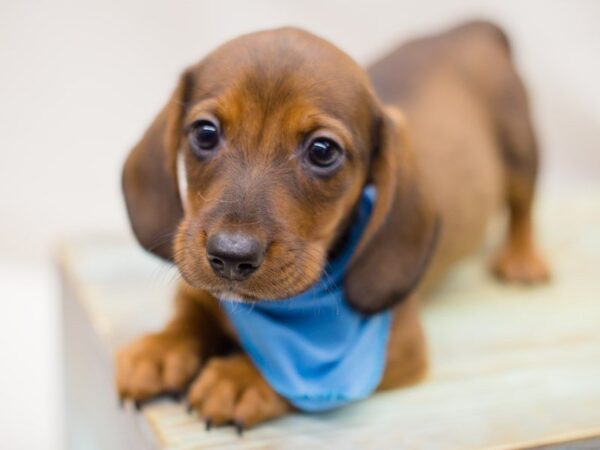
(511, 367)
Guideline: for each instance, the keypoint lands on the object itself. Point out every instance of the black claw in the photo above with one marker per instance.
(138, 405)
(176, 396)
(208, 424)
(189, 408)
(239, 427)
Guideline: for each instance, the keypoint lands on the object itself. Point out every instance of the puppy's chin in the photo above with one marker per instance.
(232, 296)
(245, 293)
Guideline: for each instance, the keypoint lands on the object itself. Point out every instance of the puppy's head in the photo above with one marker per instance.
(250, 175)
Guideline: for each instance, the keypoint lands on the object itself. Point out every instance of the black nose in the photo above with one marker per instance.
(234, 256)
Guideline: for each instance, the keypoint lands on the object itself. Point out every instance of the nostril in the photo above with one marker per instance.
(216, 263)
(246, 268)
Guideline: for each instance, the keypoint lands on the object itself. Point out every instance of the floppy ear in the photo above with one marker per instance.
(402, 232)
(149, 177)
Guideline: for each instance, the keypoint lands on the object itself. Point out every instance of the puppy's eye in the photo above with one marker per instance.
(324, 154)
(204, 138)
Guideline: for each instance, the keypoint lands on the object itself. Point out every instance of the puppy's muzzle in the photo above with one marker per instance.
(234, 256)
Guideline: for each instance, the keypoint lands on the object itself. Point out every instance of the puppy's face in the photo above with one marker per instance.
(273, 145)
(249, 177)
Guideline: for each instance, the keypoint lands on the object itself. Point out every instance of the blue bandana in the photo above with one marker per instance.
(313, 348)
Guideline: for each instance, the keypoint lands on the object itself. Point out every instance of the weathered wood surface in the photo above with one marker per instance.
(511, 367)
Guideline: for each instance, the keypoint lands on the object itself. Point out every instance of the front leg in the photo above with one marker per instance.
(167, 361)
(406, 350)
(231, 390)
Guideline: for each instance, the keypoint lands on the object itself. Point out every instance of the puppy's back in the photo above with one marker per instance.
(473, 52)
(452, 88)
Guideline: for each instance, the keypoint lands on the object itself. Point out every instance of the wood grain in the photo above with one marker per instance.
(512, 367)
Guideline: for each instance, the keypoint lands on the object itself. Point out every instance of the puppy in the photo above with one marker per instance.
(250, 178)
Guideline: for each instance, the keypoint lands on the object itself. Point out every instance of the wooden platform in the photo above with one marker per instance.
(511, 367)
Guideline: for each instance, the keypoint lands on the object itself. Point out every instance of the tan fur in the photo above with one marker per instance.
(444, 134)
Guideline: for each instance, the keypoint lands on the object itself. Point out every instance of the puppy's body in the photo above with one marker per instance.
(469, 150)
(452, 121)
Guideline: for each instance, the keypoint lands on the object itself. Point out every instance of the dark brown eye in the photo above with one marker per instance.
(324, 154)
(204, 138)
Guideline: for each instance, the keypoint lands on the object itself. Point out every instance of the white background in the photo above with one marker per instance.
(79, 82)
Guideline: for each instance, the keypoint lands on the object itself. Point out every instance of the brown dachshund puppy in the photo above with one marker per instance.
(250, 175)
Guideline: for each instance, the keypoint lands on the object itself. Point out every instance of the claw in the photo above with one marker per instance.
(138, 405)
(189, 408)
(239, 427)
(208, 424)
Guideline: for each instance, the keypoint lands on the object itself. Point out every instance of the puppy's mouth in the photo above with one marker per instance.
(236, 296)
(268, 284)
(277, 278)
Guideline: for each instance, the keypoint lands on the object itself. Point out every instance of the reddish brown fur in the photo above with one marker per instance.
(459, 147)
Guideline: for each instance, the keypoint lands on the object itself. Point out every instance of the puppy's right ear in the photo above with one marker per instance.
(401, 236)
(149, 177)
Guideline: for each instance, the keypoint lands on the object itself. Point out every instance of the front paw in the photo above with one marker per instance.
(161, 363)
(231, 390)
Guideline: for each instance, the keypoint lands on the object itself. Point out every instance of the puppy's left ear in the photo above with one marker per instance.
(402, 232)
(149, 176)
